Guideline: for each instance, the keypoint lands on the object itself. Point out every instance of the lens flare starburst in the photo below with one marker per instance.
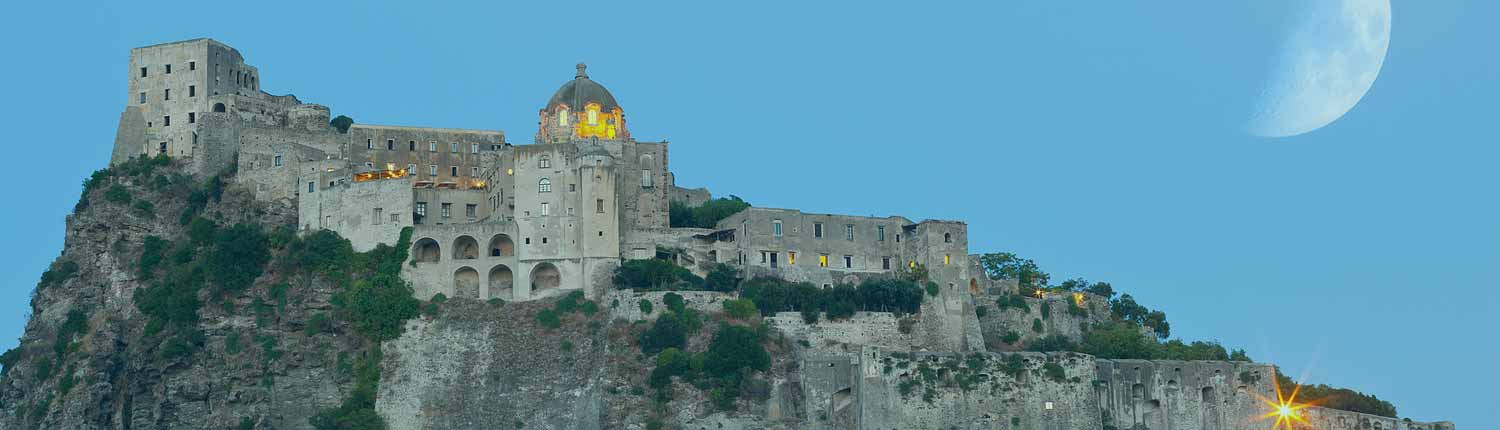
(1285, 408)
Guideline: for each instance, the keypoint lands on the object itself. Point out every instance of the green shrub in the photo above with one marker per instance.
(232, 344)
(42, 366)
(201, 231)
(239, 256)
(65, 384)
(1010, 337)
(8, 360)
(153, 250)
(706, 215)
(341, 123)
(1046, 309)
(674, 302)
(656, 275)
(722, 277)
(431, 310)
(57, 273)
(589, 308)
(1054, 372)
(317, 323)
(117, 194)
(669, 331)
(645, 306)
(739, 308)
(378, 308)
(548, 318)
(246, 424)
(357, 412)
(567, 345)
(76, 323)
(1036, 325)
(144, 208)
(932, 289)
(981, 311)
(1051, 343)
(439, 298)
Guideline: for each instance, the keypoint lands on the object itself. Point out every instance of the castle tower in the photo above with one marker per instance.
(172, 87)
(581, 110)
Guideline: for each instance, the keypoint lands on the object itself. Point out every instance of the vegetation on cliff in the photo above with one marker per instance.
(706, 215)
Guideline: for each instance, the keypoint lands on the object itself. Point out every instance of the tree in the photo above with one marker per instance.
(721, 277)
(341, 123)
(1005, 265)
(239, 256)
(379, 307)
(734, 350)
(668, 332)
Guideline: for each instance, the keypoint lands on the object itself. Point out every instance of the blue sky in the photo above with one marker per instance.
(1102, 139)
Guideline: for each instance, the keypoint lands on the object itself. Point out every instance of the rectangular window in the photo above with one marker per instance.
(390, 144)
(162, 147)
(169, 69)
(310, 187)
(447, 210)
(143, 98)
(599, 206)
(192, 91)
(432, 170)
(946, 259)
(791, 257)
(880, 233)
(474, 171)
(818, 229)
(166, 94)
(823, 260)
(192, 65)
(421, 209)
(453, 147)
(143, 72)
(849, 231)
(453, 171)
(645, 178)
(473, 148)
(572, 187)
(471, 211)
(166, 121)
(763, 257)
(192, 117)
(546, 209)
(275, 161)
(848, 261)
(411, 168)
(776, 228)
(379, 214)
(432, 146)
(369, 143)
(885, 263)
(411, 145)
(570, 212)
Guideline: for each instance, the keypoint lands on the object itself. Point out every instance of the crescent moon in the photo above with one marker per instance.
(1326, 66)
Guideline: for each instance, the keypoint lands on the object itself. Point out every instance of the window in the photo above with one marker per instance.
(166, 121)
(474, 171)
(421, 209)
(192, 65)
(452, 146)
(546, 209)
(645, 178)
(822, 260)
(379, 213)
(411, 145)
(848, 261)
(763, 257)
(849, 231)
(776, 228)
(276, 161)
(593, 115)
(471, 211)
(473, 148)
(544, 186)
(432, 170)
(562, 116)
(572, 187)
(166, 94)
(817, 229)
(453, 171)
(310, 187)
(369, 143)
(947, 238)
(544, 162)
(432, 146)
(570, 211)
(885, 263)
(898, 237)
(447, 210)
(192, 117)
(369, 166)
(143, 72)
(143, 98)
(390, 144)
(599, 206)
(192, 91)
(946, 259)
(791, 257)
(880, 233)
(411, 168)
(162, 147)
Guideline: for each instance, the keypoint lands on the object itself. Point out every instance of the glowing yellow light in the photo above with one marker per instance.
(1078, 299)
(1041, 294)
(1285, 408)
(946, 259)
(822, 261)
(791, 257)
(509, 172)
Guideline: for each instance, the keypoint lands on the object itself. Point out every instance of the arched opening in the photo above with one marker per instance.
(973, 286)
(465, 248)
(427, 251)
(218, 107)
(502, 246)
(466, 283)
(544, 277)
(841, 400)
(947, 237)
(502, 283)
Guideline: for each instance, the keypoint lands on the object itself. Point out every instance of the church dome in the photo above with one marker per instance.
(580, 91)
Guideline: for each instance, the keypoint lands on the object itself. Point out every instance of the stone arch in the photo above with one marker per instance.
(841, 400)
(219, 107)
(502, 283)
(502, 246)
(427, 250)
(465, 248)
(545, 276)
(466, 283)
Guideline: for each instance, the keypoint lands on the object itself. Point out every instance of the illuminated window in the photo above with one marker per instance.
(544, 186)
(562, 115)
(946, 259)
(823, 260)
(421, 209)
(911, 264)
(776, 228)
(593, 115)
(544, 162)
(791, 257)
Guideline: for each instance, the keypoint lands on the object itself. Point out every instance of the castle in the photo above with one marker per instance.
(492, 219)
(518, 222)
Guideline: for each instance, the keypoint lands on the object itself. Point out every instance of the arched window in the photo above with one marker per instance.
(947, 237)
(544, 162)
(593, 114)
(218, 107)
(544, 186)
(562, 116)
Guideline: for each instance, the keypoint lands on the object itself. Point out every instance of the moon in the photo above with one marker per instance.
(1326, 65)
